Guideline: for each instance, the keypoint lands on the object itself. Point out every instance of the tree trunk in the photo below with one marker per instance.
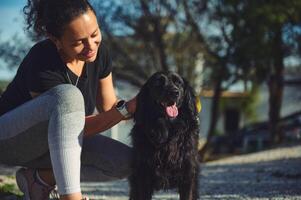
(276, 90)
(157, 34)
(158, 40)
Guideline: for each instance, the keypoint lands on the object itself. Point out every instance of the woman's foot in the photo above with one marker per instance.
(32, 188)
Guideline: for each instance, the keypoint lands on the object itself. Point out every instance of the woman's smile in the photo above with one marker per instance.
(88, 54)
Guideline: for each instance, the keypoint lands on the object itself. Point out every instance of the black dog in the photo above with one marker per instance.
(165, 138)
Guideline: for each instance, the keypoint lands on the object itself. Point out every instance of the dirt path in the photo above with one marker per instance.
(272, 174)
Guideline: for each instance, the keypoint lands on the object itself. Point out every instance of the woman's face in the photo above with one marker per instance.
(81, 38)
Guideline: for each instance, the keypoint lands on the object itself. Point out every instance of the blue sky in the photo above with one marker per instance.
(9, 3)
(11, 22)
(11, 17)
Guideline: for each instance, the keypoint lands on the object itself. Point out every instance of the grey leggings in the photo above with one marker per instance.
(47, 132)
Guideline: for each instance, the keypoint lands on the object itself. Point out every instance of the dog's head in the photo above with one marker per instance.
(165, 94)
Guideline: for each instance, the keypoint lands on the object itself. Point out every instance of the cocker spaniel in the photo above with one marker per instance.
(165, 138)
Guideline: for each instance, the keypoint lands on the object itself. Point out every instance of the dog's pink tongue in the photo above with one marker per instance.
(172, 111)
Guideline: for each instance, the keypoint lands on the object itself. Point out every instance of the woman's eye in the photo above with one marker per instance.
(94, 35)
(76, 44)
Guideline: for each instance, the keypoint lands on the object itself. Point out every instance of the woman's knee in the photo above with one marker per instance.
(67, 98)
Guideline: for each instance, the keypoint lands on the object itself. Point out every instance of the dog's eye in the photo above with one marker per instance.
(160, 81)
(177, 80)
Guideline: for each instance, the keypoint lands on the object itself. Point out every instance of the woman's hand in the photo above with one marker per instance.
(131, 105)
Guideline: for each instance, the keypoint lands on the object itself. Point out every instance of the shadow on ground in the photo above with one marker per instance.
(278, 179)
(244, 178)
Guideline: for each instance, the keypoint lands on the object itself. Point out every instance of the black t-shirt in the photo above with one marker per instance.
(43, 68)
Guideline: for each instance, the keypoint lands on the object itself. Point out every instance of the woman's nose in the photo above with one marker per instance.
(89, 44)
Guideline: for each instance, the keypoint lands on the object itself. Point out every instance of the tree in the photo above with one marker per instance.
(13, 51)
(149, 36)
(217, 52)
(260, 34)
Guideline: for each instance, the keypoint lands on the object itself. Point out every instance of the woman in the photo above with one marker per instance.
(46, 113)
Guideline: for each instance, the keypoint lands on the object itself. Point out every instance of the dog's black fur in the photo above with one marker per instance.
(165, 148)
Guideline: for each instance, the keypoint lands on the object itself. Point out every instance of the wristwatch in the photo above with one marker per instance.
(121, 107)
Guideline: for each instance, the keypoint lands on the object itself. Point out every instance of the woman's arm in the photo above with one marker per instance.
(102, 121)
(106, 97)
(108, 115)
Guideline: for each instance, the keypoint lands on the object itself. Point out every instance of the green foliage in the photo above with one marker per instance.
(3, 85)
(9, 189)
(258, 39)
(155, 37)
(249, 104)
(217, 132)
(250, 30)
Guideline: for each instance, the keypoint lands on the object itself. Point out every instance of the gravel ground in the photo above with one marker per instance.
(271, 174)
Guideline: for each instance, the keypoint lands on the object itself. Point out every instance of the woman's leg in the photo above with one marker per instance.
(23, 136)
(105, 159)
(102, 159)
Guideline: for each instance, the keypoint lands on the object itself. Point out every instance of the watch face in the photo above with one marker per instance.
(121, 107)
(120, 103)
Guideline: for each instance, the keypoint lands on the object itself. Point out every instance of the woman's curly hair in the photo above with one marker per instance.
(50, 16)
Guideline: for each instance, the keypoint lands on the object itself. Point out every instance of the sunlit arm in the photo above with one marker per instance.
(108, 115)
(102, 121)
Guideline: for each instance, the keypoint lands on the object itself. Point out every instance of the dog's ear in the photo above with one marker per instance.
(142, 105)
(189, 101)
